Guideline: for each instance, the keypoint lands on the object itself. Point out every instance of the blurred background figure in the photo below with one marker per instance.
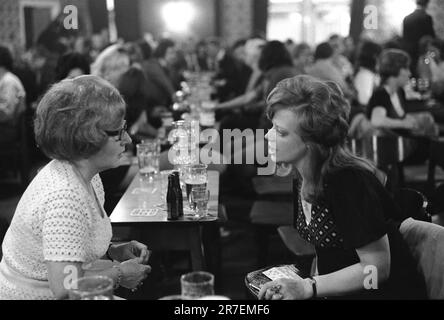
(365, 81)
(253, 51)
(302, 57)
(139, 112)
(416, 25)
(325, 69)
(233, 73)
(111, 63)
(135, 54)
(386, 107)
(159, 85)
(165, 54)
(12, 98)
(430, 65)
(289, 44)
(350, 50)
(214, 51)
(43, 64)
(366, 78)
(71, 65)
(339, 59)
(272, 65)
(201, 56)
(387, 103)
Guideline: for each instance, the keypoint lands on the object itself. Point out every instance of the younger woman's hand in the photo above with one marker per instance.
(286, 289)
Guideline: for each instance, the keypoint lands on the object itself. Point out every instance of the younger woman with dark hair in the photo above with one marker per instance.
(341, 207)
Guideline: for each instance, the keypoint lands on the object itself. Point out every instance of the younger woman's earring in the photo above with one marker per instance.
(283, 169)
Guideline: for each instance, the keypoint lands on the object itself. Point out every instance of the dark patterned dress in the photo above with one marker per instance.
(355, 211)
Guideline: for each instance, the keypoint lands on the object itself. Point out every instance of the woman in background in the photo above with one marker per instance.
(367, 78)
(386, 107)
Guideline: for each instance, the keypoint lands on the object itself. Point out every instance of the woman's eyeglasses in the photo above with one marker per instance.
(118, 133)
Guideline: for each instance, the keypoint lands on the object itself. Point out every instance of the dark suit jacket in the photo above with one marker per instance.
(415, 26)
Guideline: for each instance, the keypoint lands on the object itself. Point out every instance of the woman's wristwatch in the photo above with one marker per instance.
(314, 287)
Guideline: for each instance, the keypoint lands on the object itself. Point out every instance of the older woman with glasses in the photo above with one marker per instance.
(60, 224)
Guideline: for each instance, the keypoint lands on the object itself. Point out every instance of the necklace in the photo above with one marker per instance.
(89, 189)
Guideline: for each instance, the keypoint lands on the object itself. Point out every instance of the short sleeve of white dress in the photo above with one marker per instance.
(66, 226)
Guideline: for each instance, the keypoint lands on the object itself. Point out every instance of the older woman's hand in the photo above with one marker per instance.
(133, 273)
(286, 289)
(130, 250)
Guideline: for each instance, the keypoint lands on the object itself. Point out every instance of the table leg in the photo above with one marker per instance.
(196, 250)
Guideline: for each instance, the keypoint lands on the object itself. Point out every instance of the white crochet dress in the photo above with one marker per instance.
(55, 220)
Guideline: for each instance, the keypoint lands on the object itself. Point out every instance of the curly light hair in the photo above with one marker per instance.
(73, 115)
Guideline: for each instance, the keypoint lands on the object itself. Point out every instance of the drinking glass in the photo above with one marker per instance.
(92, 288)
(199, 198)
(148, 159)
(194, 175)
(197, 284)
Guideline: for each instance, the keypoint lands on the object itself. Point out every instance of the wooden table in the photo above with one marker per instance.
(156, 231)
(434, 107)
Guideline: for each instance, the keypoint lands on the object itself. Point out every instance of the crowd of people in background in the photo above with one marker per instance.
(150, 71)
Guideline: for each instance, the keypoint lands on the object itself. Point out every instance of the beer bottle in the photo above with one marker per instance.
(172, 199)
(179, 193)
